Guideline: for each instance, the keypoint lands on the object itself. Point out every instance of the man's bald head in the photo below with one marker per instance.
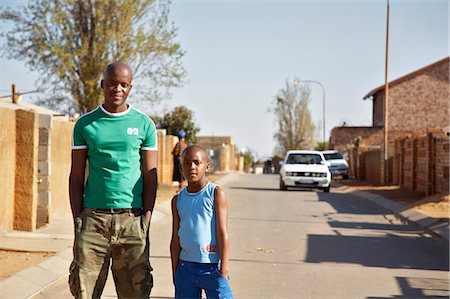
(118, 67)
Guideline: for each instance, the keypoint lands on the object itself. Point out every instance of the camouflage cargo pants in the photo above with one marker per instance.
(102, 237)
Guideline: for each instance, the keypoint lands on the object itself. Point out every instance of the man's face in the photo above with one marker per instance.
(116, 87)
(195, 164)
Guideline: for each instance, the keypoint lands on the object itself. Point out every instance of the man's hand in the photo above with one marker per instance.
(148, 217)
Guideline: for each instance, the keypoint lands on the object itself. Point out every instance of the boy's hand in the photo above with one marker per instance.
(225, 273)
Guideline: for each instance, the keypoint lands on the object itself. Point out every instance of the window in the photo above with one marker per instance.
(333, 156)
(304, 159)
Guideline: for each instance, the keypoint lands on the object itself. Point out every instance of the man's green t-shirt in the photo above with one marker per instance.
(113, 142)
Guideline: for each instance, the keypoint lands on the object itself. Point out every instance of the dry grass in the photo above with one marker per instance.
(437, 205)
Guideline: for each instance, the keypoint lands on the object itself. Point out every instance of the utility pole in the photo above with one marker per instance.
(386, 102)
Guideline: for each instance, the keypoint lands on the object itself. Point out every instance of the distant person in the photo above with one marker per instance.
(112, 211)
(199, 247)
(177, 153)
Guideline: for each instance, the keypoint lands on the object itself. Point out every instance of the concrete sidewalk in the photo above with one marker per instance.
(58, 237)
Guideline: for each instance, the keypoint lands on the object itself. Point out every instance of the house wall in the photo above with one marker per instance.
(8, 167)
(416, 104)
(342, 137)
(378, 110)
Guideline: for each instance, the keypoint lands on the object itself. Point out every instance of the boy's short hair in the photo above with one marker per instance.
(196, 147)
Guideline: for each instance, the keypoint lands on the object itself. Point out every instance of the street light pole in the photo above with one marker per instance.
(386, 102)
(323, 101)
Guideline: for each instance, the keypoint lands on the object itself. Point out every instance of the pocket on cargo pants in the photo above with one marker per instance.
(74, 269)
(74, 279)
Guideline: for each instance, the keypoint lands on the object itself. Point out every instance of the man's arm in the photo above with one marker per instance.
(221, 206)
(76, 181)
(175, 247)
(149, 165)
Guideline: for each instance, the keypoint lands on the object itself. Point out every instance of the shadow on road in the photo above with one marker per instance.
(347, 204)
(374, 226)
(413, 287)
(378, 251)
(391, 250)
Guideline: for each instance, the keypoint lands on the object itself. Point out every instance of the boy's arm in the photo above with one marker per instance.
(221, 205)
(76, 181)
(175, 247)
(149, 164)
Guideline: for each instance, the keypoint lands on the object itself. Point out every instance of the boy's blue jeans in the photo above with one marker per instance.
(190, 278)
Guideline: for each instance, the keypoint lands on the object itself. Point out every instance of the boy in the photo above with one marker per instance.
(199, 246)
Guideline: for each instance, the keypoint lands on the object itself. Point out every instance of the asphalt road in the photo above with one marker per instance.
(310, 244)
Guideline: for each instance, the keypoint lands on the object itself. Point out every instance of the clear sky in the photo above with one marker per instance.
(240, 53)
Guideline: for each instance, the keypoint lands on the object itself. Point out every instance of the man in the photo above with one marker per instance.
(177, 151)
(112, 210)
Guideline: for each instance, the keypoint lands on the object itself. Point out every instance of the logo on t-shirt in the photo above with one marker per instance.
(210, 248)
(132, 131)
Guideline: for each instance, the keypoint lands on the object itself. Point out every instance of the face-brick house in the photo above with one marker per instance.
(418, 103)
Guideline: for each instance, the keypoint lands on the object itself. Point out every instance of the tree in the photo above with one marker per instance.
(295, 125)
(181, 118)
(70, 42)
(322, 146)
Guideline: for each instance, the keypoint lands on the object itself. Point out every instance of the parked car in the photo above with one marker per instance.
(336, 163)
(305, 169)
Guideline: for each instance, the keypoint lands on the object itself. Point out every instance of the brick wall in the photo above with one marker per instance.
(7, 168)
(60, 157)
(441, 164)
(421, 163)
(26, 172)
(224, 151)
(165, 158)
(20, 141)
(372, 160)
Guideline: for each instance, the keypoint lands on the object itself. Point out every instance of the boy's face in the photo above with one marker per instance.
(195, 165)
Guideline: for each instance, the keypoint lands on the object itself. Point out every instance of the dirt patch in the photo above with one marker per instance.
(14, 261)
(436, 206)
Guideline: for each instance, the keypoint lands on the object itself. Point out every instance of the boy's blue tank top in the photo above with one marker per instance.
(197, 230)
